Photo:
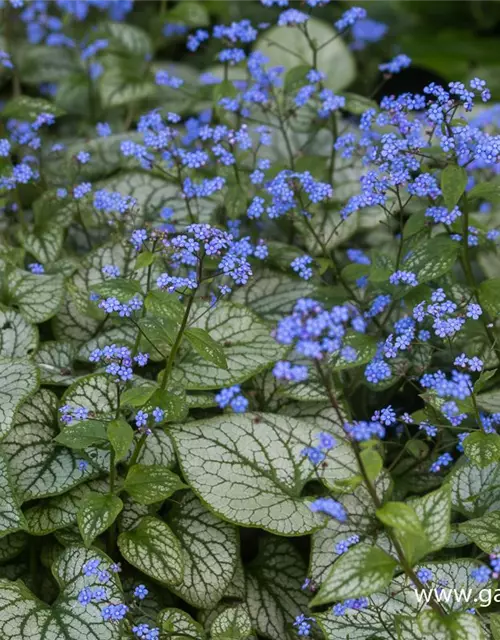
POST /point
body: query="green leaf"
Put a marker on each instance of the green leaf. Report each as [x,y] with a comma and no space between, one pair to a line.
[495,625]
[474,489]
[484,376]
[273,589]
[21,610]
[246,341]
[486,191]
[232,624]
[127,38]
[105,158]
[153,549]
[18,381]
[137,396]
[173,402]
[194,14]
[403,519]
[335,60]
[177,620]
[484,531]
[366,347]
[165,305]
[372,463]
[38,297]
[119,288]
[272,295]
[18,338]
[40,63]
[432,258]
[210,551]
[363,570]
[206,347]
[400,516]
[11,516]
[415,223]
[96,514]
[397,604]
[159,332]
[148,484]
[295,78]
[453,183]
[97,393]
[482,448]
[59,512]
[434,513]
[144,259]
[44,244]
[28,109]
[121,435]
[82,434]
[357,104]
[489,296]
[120,86]
[12,545]
[39,468]
[158,449]
[223,462]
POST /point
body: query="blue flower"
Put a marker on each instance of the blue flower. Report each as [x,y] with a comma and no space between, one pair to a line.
[140,592]
[396,65]
[329,506]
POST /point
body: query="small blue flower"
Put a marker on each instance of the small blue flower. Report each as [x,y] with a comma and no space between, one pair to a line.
[329,506]
[36,268]
[140,592]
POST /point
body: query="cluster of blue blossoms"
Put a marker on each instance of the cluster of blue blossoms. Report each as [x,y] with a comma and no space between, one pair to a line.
[114,612]
[316,333]
[205,241]
[233,398]
[484,573]
[119,361]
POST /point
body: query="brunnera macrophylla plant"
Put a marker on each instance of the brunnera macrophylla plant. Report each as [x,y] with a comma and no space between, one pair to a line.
[248,332]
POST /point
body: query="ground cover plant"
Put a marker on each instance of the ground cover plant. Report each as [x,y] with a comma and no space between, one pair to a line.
[249,379]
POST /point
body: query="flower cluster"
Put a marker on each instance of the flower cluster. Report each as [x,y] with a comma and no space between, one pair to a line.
[204,241]
[119,361]
[123,309]
[233,398]
[483,573]
[143,418]
[316,333]
[70,413]
[317,454]
[330,507]
[114,612]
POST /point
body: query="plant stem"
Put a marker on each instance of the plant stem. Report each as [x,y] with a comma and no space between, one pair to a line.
[177,343]
[138,448]
[112,457]
[166,374]
[8,20]
[148,286]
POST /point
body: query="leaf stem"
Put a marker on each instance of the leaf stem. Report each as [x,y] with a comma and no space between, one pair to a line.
[177,343]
